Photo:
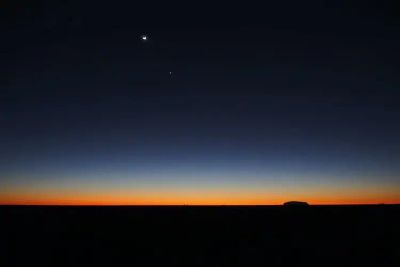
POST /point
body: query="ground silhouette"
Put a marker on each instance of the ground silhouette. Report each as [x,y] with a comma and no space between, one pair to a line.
[200,236]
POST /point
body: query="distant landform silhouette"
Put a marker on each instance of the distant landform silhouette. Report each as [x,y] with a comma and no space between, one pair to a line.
[296,203]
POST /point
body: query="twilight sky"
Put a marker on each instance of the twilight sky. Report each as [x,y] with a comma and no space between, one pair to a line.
[221,104]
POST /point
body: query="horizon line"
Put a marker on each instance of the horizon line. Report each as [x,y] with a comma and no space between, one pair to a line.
[193,205]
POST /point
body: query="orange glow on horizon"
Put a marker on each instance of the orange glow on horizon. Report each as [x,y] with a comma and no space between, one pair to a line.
[212,199]
[191,195]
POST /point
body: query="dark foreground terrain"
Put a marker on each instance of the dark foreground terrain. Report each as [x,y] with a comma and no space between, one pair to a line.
[200,236]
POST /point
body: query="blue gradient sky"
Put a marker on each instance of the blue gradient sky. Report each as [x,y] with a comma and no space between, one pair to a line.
[270,107]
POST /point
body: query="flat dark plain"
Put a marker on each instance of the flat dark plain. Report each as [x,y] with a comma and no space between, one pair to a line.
[342,235]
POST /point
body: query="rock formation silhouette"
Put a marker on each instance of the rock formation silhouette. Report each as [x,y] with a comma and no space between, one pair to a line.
[296,203]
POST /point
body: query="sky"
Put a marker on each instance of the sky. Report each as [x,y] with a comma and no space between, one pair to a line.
[222,104]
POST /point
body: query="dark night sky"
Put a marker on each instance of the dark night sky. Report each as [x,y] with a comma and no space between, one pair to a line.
[264,103]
